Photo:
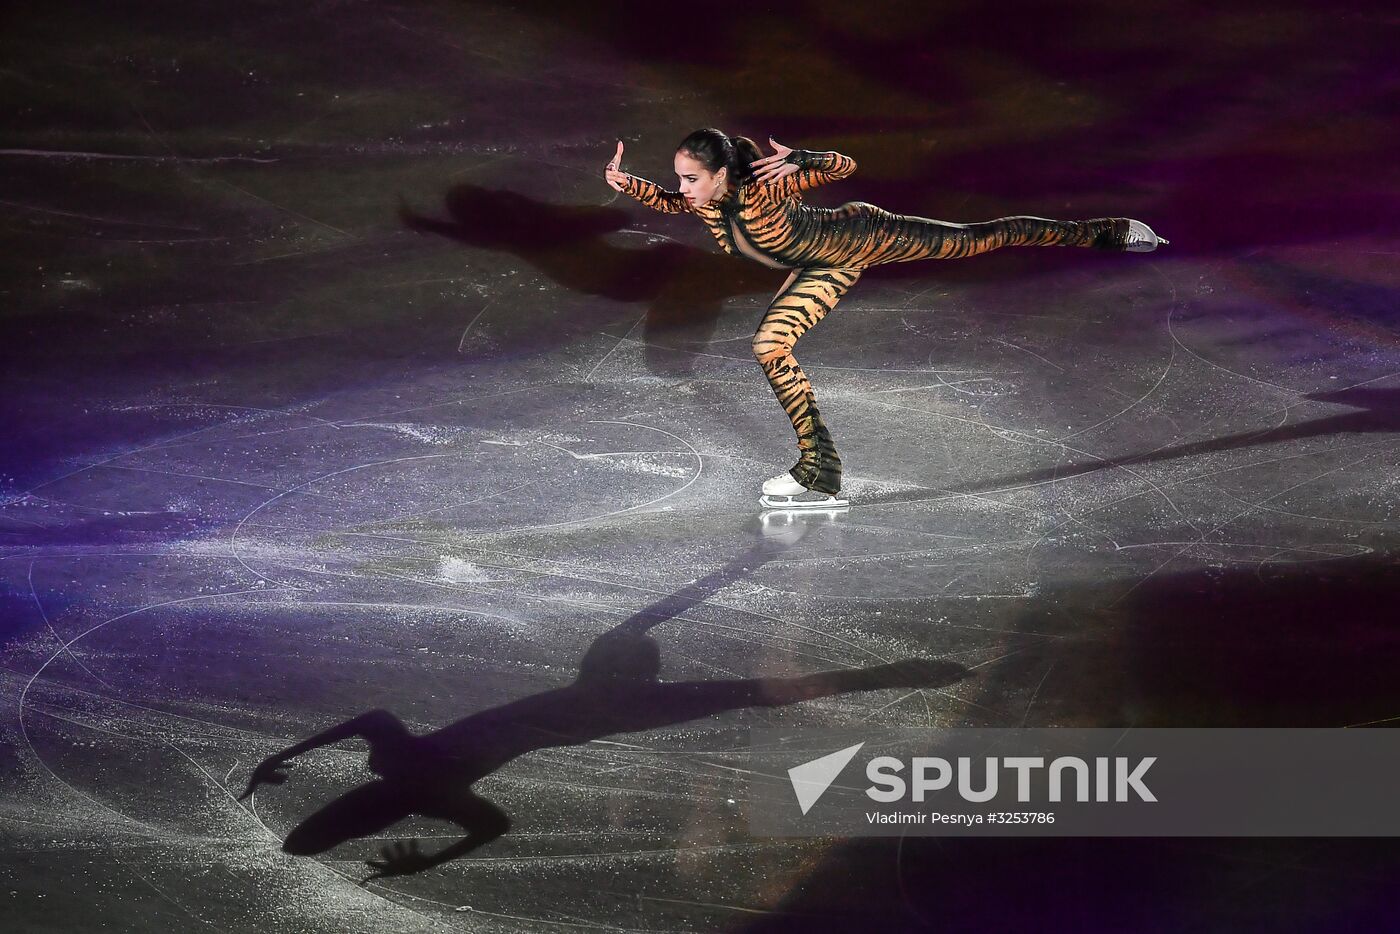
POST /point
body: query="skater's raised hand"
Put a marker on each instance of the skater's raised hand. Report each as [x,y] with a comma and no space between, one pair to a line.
[613,173]
[771,168]
[399,859]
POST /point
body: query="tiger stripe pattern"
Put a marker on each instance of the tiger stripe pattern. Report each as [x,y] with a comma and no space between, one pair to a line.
[827,249]
[806,298]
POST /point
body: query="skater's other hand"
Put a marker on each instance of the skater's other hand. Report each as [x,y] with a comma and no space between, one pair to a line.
[771,168]
[271,771]
[613,173]
[400,859]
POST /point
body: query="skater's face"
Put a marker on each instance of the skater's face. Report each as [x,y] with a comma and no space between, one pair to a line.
[699,184]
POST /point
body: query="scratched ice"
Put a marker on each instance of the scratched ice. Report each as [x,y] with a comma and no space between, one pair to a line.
[357,390]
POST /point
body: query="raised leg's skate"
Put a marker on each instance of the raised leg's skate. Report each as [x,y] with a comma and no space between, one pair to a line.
[1142,239]
[783,492]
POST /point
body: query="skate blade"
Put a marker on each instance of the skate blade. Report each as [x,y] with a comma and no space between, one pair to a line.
[831,502]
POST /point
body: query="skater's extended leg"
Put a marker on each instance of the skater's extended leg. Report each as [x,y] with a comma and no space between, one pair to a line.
[808,296]
[937,240]
[873,236]
[668,703]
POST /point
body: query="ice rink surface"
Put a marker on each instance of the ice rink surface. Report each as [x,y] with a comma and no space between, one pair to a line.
[336,380]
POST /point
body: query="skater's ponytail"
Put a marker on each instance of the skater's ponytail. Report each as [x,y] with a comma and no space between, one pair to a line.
[715,151]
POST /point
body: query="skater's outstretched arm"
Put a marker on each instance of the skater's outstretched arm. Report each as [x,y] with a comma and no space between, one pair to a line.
[654,196]
[797,170]
[648,193]
[375,727]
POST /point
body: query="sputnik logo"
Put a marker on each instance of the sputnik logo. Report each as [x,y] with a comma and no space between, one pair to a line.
[810,780]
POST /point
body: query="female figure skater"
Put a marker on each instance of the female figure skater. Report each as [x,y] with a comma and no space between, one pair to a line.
[752,204]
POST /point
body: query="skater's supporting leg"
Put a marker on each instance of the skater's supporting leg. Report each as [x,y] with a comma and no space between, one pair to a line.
[808,296]
[784,492]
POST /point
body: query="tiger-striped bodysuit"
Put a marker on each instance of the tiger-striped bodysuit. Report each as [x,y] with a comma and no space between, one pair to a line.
[827,249]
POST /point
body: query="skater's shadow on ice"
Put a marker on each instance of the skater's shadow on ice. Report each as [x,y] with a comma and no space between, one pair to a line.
[683,287]
[617,690]
[1379,412]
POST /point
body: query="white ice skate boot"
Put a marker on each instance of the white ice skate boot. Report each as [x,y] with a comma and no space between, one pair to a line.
[1141,238]
[783,492]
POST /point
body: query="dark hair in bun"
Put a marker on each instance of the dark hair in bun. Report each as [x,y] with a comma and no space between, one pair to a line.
[715,151]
